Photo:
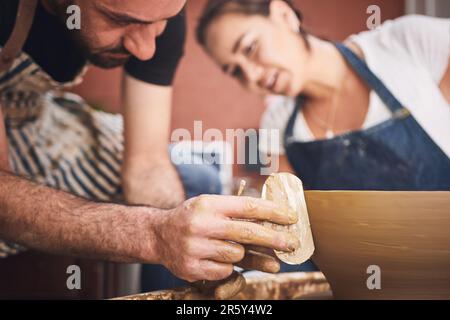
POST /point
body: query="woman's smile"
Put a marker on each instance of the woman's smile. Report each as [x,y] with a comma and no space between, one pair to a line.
[271,81]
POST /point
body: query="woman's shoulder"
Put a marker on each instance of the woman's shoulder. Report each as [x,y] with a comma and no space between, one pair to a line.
[408,30]
[417,22]
[412,23]
[420,39]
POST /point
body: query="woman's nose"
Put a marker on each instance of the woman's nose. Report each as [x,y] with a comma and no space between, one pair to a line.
[140,40]
[252,73]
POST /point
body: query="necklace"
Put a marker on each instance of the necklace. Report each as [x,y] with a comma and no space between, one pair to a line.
[328,125]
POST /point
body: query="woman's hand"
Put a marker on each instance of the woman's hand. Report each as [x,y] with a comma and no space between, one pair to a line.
[204,237]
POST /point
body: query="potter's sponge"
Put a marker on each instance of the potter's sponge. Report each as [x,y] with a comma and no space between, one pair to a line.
[286,190]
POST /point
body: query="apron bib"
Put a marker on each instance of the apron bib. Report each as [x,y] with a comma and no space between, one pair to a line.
[394,155]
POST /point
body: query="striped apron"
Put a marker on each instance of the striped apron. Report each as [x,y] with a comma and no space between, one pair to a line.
[56,139]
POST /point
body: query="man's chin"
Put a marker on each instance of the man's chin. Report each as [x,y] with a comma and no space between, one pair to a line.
[108,63]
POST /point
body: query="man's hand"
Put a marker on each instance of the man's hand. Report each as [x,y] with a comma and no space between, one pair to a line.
[260,259]
[157,186]
[203,238]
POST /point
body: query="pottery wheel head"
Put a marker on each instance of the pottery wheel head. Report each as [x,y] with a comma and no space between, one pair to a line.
[286,189]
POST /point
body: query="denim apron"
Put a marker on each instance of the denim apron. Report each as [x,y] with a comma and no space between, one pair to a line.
[394,155]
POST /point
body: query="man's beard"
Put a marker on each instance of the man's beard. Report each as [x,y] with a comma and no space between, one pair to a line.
[102,57]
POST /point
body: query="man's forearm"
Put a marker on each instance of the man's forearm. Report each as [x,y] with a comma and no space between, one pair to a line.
[149,177]
[54,221]
[154,182]
[4,165]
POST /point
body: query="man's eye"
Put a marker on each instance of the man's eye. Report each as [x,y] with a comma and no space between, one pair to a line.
[121,23]
[117,22]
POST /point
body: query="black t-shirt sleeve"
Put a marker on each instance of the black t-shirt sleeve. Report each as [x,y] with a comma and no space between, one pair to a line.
[8,12]
[160,70]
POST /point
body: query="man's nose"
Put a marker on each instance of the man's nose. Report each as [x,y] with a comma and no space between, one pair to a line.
[140,40]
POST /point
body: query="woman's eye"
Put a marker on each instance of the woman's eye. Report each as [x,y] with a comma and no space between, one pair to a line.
[237,73]
[249,50]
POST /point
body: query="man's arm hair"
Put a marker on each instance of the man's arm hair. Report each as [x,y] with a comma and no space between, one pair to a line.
[53,221]
[4,164]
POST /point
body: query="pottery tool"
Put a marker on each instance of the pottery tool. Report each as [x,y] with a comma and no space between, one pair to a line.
[286,189]
[241,188]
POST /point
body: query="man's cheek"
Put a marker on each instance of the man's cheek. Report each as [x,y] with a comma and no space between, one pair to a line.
[104,35]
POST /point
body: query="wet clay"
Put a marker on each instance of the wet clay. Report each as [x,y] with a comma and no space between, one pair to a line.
[224,289]
[406,234]
[286,190]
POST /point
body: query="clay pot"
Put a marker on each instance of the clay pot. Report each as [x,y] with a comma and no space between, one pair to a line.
[405,234]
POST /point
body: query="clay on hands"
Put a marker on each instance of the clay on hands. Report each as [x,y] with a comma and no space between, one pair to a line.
[286,190]
[224,289]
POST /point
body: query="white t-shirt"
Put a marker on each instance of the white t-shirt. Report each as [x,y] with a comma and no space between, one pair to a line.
[410,55]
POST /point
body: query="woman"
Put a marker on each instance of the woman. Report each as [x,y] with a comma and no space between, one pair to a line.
[373,114]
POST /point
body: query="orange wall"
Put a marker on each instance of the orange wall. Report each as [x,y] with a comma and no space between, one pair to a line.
[203,93]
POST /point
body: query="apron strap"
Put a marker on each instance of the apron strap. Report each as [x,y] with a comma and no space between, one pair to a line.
[371,79]
[361,68]
[19,35]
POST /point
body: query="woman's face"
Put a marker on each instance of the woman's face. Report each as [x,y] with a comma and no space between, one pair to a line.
[266,54]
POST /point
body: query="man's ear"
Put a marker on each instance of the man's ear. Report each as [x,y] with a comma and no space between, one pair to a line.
[282,13]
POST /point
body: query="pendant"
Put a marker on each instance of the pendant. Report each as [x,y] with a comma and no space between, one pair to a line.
[329,134]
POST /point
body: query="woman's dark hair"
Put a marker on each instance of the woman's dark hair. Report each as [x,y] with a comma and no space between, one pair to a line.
[216,8]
